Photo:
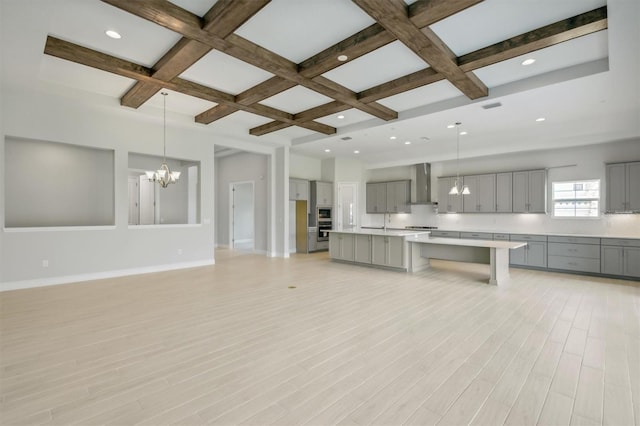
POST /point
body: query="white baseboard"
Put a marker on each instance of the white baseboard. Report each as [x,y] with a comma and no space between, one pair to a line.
[66,279]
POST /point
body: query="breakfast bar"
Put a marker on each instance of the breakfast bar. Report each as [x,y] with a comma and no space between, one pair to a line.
[422,248]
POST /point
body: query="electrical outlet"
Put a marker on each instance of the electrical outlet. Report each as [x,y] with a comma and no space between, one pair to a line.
[45,263]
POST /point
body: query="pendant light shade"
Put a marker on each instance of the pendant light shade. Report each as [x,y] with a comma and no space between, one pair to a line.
[164,176]
[456,189]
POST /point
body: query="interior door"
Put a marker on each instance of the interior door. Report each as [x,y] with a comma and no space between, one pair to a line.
[347,200]
[147,201]
[134,200]
[242,216]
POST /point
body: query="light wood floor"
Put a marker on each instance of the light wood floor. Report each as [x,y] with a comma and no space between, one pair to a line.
[234,344]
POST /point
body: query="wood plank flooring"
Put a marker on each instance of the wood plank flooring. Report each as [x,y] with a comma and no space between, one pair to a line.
[233,344]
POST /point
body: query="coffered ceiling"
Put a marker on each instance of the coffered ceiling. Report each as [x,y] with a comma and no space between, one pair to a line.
[332,77]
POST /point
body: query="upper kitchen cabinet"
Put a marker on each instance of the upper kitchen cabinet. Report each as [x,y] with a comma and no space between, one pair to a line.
[389,197]
[482,198]
[298,189]
[448,203]
[321,193]
[504,192]
[623,187]
[529,191]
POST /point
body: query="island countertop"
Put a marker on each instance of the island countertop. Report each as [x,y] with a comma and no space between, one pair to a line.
[387,233]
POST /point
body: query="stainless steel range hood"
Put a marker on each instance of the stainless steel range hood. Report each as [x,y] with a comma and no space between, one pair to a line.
[422,184]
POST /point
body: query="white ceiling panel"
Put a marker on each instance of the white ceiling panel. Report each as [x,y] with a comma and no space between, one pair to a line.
[296,99]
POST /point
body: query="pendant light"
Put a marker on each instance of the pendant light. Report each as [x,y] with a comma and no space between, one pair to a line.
[455,189]
[164,176]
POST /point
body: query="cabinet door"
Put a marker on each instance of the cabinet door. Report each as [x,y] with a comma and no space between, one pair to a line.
[611,260]
[348,247]
[455,201]
[631,261]
[444,185]
[537,191]
[363,248]
[537,254]
[504,192]
[395,252]
[324,193]
[378,250]
[381,197]
[518,256]
[398,197]
[616,187]
[633,186]
[487,193]
[334,245]
[520,191]
[371,198]
[470,202]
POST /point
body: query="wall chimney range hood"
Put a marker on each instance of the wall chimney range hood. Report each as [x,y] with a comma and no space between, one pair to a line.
[422,184]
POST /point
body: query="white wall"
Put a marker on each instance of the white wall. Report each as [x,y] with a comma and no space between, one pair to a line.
[86,253]
[240,168]
[302,167]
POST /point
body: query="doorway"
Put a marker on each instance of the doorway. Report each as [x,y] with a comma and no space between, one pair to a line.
[242,226]
[347,200]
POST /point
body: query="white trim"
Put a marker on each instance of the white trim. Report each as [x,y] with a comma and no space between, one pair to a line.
[165,226]
[60,228]
[232,186]
[67,279]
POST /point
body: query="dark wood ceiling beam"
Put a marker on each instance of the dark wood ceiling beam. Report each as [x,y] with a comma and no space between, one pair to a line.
[85,56]
[549,35]
[317,112]
[393,15]
[183,22]
[222,19]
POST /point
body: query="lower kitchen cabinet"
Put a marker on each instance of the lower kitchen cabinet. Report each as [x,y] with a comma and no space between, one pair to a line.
[580,254]
[533,254]
[342,246]
[387,251]
[620,257]
[362,248]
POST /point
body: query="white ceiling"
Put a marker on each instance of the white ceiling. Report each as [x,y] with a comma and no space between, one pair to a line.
[588,89]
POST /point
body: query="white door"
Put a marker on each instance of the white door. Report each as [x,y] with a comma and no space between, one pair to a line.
[242,216]
[147,201]
[134,199]
[192,195]
[347,200]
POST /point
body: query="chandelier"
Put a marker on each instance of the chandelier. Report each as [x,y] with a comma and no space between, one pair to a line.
[164,176]
[455,189]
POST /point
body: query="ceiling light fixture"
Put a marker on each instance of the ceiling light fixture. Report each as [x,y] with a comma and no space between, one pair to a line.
[343,58]
[340,117]
[528,61]
[113,34]
[463,133]
[392,138]
[407,143]
[455,189]
[164,176]
[327,150]
[451,126]
[356,152]
[540,119]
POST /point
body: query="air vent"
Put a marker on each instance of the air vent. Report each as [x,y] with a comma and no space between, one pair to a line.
[493,105]
[346,138]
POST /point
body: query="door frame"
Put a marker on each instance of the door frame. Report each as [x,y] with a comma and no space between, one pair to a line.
[338,203]
[231,210]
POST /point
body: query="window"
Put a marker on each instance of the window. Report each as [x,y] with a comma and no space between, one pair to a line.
[576,198]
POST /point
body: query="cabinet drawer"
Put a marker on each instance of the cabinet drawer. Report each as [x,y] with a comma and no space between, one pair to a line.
[501,237]
[575,240]
[578,264]
[620,242]
[574,250]
[447,234]
[476,235]
[527,237]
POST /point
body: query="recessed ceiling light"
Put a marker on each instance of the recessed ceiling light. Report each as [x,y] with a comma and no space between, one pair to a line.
[327,150]
[451,126]
[113,34]
[528,61]
[343,58]
[356,152]
[407,143]
[340,117]
[540,119]
[463,133]
[392,138]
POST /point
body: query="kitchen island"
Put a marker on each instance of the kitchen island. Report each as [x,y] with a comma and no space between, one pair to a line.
[373,247]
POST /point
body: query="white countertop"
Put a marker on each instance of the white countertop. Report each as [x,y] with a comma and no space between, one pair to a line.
[465,242]
[388,232]
[548,234]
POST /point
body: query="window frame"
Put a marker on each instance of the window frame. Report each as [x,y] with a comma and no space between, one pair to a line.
[598,199]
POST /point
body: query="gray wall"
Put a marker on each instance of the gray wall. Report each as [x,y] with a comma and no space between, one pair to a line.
[238,168]
[56,184]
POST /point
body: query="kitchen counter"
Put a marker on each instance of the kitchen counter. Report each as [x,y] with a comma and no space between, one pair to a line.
[548,234]
[388,232]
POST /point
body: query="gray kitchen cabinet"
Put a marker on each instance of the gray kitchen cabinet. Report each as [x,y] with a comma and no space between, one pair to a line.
[533,254]
[448,203]
[298,189]
[620,257]
[504,192]
[321,193]
[482,198]
[389,197]
[312,240]
[530,191]
[580,254]
[501,237]
[387,251]
[476,235]
[362,248]
[341,246]
[444,234]
[623,187]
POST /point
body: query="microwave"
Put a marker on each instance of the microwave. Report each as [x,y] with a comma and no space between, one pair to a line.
[324,213]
